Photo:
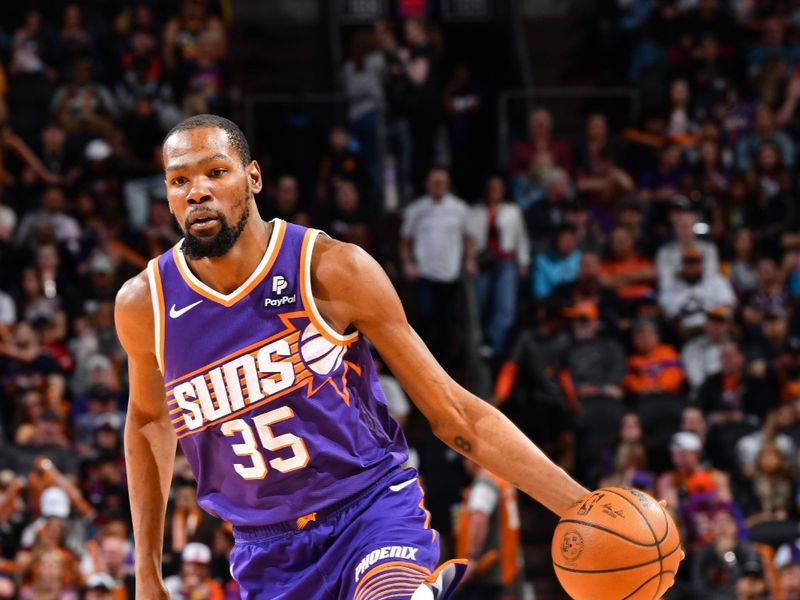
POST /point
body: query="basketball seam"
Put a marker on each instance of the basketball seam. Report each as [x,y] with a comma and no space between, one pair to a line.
[611,531]
[644,564]
[644,583]
[655,538]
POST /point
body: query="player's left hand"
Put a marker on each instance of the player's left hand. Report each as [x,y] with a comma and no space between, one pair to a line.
[663,504]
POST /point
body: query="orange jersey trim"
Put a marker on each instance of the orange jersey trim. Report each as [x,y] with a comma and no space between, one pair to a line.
[307,296]
[159,316]
[228,300]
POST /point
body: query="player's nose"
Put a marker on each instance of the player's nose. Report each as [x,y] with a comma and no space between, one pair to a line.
[198,194]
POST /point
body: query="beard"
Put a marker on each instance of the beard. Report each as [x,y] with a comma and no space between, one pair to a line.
[220,243]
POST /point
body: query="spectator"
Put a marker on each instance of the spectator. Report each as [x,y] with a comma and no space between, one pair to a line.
[488,535]
[194,580]
[769,294]
[557,266]
[661,184]
[99,586]
[544,217]
[733,399]
[182,33]
[765,131]
[398,93]
[540,139]
[363,75]
[727,566]
[625,271]
[286,203]
[503,255]
[690,488]
[422,65]
[768,499]
[742,266]
[345,219]
[630,469]
[702,355]
[435,246]
[654,369]
[591,380]
[84,106]
[686,301]
[669,258]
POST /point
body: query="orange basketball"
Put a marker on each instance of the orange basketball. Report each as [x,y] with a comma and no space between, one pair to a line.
[616,544]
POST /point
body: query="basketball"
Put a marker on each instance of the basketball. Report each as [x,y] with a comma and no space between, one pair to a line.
[616,544]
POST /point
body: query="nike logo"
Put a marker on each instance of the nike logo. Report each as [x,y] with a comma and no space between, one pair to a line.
[400,486]
[177,313]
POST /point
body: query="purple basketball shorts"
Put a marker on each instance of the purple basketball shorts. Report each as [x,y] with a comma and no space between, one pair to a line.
[377,545]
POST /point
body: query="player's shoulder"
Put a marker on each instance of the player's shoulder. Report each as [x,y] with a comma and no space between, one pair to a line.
[134,295]
[333,259]
[133,312]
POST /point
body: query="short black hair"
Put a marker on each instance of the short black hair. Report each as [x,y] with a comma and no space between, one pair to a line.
[231,129]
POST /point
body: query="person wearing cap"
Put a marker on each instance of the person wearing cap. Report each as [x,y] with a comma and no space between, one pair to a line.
[593,370]
[702,355]
[687,299]
[690,481]
[670,256]
[99,586]
[194,580]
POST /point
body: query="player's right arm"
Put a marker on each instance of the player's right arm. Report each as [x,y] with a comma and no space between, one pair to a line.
[150,441]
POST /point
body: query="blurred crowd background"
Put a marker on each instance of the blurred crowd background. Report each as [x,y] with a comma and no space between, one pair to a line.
[590,216]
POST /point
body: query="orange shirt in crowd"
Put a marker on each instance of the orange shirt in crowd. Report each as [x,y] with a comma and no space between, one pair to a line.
[612,268]
[658,371]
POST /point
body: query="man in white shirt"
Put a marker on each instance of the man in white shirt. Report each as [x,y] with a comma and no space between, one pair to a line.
[435,246]
[668,258]
[687,299]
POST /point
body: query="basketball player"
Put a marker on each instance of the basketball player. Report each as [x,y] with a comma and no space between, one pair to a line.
[247,344]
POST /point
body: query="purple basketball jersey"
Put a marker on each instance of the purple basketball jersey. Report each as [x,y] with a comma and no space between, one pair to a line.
[278,414]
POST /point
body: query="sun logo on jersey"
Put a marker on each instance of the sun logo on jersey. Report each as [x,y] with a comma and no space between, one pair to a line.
[291,360]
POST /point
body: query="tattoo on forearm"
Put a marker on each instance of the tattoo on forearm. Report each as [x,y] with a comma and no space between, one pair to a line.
[463,444]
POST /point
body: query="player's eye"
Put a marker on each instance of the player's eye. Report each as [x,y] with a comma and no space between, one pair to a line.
[179,181]
[218,172]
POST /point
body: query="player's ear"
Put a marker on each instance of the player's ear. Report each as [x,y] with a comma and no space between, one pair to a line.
[254,175]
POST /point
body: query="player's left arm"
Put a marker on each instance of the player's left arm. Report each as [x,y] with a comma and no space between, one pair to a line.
[352,290]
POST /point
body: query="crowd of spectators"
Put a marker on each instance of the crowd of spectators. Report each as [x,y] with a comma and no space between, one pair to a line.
[632,291]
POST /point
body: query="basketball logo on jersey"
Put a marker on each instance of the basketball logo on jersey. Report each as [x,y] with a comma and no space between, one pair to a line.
[276,366]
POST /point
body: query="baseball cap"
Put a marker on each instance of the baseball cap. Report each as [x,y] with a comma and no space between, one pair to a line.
[108,421]
[583,309]
[752,566]
[54,502]
[685,441]
[101,581]
[196,552]
[720,312]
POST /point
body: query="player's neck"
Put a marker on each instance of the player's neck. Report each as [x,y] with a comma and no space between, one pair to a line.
[226,273]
